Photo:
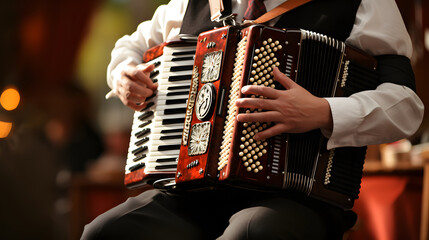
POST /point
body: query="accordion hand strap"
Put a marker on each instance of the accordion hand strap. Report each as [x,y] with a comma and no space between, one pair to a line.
[280,9]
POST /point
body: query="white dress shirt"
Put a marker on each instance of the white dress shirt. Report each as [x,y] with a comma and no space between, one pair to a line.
[387,114]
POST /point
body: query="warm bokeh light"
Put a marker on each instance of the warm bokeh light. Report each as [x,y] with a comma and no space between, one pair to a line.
[9,99]
[5,128]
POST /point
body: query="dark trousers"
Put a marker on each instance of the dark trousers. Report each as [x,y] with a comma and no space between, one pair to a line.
[220,214]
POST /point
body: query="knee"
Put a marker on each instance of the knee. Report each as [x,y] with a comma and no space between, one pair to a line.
[92,229]
[273,222]
[89,232]
[254,223]
[266,223]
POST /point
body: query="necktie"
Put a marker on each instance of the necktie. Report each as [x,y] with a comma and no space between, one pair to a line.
[255,9]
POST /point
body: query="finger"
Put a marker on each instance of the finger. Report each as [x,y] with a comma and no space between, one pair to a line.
[269,132]
[154,86]
[146,68]
[270,116]
[137,106]
[260,91]
[127,85]
[255,103]
[139,76]
[283,79]
[130,96]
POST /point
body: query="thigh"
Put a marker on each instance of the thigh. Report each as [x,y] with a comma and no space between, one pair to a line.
[278,218]
[153,214]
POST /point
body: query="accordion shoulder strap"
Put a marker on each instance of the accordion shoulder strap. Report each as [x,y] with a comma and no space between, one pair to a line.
[281,9]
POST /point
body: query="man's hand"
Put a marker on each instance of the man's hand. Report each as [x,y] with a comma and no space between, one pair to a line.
[293,110]
[135,86]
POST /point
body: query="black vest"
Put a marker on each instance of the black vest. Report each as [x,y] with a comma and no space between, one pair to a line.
[334,18]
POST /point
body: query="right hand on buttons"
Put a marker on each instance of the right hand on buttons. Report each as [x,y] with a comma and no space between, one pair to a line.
[134,85]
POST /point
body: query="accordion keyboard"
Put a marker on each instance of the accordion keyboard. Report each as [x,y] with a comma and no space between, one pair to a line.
[157,130]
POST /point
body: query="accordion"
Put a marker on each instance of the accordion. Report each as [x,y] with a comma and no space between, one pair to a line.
[157,130]
[215,148]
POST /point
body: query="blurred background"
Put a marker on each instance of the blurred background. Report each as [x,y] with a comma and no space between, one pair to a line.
[63,146]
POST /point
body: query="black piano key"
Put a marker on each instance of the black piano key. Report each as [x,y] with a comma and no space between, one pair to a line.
[178,93]
[157,63]
[155,80]
[154,74]
[178,130]
[178,59]
[136,166]
[176,101]
[172,88]
[171,137]
[169,147]
[173,121]
[190,52]
[142,141]
[181,68]
[161,160]
[145,123]
[150,104]
[142,132]
[171,111]
[139,150]
[179,78]
[139,157]
[161,167]
[145,115]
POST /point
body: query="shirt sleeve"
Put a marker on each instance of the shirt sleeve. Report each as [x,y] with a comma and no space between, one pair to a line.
[164,25]
[391,111]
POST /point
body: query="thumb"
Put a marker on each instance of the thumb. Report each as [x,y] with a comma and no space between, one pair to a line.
[145,68]
[283,79]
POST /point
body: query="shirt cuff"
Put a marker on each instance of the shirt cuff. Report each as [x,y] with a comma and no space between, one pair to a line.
[344,111]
